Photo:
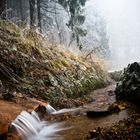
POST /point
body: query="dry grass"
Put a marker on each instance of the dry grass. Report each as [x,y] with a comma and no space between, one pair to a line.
[29,56]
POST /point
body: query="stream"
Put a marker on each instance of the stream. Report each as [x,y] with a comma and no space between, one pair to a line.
[81,124]
[74,118]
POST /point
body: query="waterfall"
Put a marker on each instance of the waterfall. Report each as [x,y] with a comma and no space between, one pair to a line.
[30,127]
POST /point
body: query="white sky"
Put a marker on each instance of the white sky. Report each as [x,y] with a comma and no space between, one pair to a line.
[123,26]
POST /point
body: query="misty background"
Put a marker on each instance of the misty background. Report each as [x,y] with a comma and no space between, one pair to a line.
[111,26]
[123,23]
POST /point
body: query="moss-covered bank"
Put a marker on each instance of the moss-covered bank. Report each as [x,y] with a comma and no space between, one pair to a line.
[29,65]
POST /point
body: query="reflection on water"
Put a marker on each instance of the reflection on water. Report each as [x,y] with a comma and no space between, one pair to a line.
[82,124]
[102,100]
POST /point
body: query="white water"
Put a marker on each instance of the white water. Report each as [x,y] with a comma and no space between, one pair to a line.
[65,110]
[30,127]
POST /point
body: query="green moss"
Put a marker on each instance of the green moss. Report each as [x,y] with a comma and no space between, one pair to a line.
[28,88]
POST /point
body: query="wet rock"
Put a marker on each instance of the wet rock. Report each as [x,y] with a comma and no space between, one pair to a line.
[41,110]
[98,113]
[113,108]
[3,136]
[94,133]
[129,87]
[9,96]
[12,134]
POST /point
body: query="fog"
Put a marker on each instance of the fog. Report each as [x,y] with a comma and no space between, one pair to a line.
[123,27]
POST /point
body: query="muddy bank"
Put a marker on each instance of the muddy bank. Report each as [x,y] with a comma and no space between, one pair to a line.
[82,124]
[127,90]
[128,129]
[102,99]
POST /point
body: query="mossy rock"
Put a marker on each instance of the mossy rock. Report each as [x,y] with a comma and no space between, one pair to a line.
[129,87]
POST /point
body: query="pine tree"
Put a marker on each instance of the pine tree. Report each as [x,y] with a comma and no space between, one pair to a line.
[75,10]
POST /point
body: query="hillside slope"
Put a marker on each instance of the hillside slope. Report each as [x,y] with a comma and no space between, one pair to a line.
[29,65]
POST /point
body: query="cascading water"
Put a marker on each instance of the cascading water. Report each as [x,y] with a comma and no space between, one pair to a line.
[30,127]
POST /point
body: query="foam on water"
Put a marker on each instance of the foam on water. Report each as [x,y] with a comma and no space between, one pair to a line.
[30,127]
[50,109]
[65,110]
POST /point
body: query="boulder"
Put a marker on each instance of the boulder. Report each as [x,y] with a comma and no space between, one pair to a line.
[128,88]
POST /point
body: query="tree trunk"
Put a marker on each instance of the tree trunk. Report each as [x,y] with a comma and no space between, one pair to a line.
[58,27]
[78,40]
[39,14]
[33,13]
[22,16]
[3,8]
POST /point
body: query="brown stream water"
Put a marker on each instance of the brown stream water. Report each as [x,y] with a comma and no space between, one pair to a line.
[82,124]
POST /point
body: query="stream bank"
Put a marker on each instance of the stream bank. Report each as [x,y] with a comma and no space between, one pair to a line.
[127,90]
[83,127]
[77,119]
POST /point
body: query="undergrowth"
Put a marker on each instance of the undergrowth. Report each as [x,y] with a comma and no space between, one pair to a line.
[28,64]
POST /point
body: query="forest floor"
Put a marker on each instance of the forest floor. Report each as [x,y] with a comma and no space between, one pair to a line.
[122,125]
